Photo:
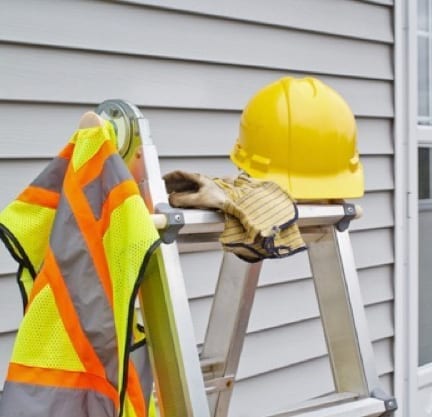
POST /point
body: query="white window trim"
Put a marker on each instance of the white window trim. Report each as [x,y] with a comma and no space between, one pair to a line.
[409,135]
[424,134]
[406,215]
[425,205]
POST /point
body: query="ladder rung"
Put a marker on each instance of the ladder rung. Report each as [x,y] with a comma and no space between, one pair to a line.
[327,400]
[209,221]
[337,405]
[219,384]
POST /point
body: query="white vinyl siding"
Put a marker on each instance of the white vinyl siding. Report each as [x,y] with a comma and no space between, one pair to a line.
[191,67]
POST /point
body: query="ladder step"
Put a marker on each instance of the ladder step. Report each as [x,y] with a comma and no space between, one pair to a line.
[208,221]
[337,405]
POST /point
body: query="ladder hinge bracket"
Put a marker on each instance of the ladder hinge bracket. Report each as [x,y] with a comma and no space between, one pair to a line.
[349,214]
[174,220]
[390,402]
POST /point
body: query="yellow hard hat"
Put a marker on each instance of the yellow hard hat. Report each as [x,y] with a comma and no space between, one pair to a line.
[301,134]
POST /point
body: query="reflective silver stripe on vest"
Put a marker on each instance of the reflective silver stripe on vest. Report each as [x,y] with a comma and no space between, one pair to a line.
[113,173]
[51,178]
[85,288]
[20,400]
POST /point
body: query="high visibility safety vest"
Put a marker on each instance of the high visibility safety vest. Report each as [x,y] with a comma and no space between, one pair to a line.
[82,237]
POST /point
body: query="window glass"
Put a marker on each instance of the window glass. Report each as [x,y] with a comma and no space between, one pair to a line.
[424,37]
[423,62]
[423,80]
[425,258]
[424,173]
[422,14]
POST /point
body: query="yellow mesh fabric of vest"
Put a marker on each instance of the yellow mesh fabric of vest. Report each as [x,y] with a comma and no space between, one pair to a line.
[127,240]
[31,225]
[27,281]
[42,322]
[88,142]
[128,408]
[150,412]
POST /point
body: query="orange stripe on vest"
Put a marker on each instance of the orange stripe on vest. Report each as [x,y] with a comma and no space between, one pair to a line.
[62,379]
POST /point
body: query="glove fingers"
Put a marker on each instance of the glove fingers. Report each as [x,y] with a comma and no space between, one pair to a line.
[193,190]
[202,200]
[179,181]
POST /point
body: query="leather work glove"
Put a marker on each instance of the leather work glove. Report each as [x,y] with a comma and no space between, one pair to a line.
[260,217]
[193,191]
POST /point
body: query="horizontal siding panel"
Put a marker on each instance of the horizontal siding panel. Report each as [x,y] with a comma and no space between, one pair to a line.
[281,347]
[376,284]
[11,305]
[175,132]
[367,254]
[378,173]
[278,271]
[199,282]
[262,351]
[214,167]
[253,362]
[200,38]
[346,18]
[385,2]
[375,136]
[277,391]
[6,344]
[387,383]
[378,170]
[283,304]
[29,130]
[380,320]
[360,238]
[7,264]
[378,211]
[383,351]
[280,389]
[29,169]
[55,76]
[274,271]
[269,393]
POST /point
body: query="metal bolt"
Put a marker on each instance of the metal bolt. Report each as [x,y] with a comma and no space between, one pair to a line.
[177,218]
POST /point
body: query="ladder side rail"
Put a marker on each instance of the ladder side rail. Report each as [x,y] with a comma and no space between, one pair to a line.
[358,310]
[342,312]
[165,307]
[226,329]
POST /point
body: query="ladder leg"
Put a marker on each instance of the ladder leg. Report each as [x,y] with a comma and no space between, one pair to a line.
[169,331]
[226,330]
[342,312]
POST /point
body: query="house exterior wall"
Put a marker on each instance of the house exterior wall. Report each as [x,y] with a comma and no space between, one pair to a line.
[191,67]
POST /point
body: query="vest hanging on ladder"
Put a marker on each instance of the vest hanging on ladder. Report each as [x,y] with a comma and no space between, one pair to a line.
[82,237]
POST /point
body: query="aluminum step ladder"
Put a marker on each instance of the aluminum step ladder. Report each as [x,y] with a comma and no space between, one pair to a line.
[192,383]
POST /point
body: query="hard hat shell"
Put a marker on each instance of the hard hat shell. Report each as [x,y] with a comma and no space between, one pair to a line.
[301,134]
